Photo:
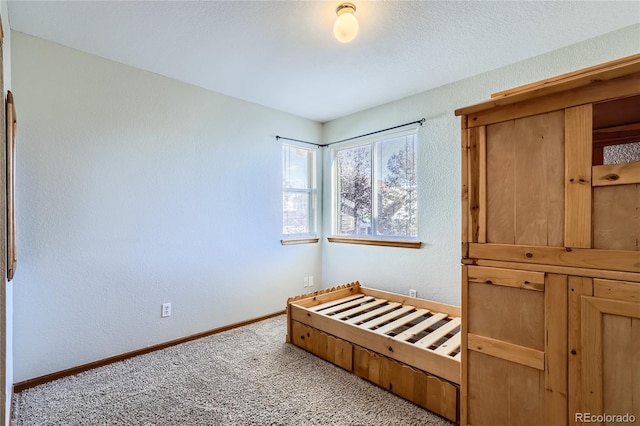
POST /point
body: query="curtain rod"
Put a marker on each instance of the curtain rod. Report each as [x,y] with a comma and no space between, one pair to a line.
[421,122]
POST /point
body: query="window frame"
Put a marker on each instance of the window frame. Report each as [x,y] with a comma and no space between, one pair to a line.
[311,190]
[374,239]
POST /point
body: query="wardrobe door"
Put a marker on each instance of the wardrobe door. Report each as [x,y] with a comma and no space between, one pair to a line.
[610,332]
[503,364]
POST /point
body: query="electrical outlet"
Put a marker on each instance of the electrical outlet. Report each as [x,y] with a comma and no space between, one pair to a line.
[166,310]
[311,281]
[413,293]
[305,282]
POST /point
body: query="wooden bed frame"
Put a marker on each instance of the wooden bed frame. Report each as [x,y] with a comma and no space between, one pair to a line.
[406,345]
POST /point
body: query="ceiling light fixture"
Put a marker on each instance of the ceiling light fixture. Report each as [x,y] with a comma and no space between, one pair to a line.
[346,26]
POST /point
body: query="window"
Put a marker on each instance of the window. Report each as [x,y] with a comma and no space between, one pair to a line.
[298,192]
[375,192]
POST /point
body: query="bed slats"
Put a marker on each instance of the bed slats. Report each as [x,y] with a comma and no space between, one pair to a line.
[383,317]
[420,327]
[335,302]
[365,306]
[439,333]
[343,306]
[371,314]
[400,322]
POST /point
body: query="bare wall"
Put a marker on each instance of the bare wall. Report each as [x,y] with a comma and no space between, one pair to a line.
[133,190]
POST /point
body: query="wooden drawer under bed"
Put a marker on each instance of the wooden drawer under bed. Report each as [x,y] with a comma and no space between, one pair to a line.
[406,345]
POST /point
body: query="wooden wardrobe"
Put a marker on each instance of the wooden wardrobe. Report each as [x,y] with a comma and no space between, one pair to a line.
[551,251]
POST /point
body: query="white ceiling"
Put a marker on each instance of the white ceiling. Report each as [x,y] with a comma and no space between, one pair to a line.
[282,54]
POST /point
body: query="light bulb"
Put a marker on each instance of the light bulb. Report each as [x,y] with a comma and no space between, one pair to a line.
[345,28]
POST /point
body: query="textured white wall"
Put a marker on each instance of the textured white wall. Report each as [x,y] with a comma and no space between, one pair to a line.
[134,190]
[625,153]
[434,270]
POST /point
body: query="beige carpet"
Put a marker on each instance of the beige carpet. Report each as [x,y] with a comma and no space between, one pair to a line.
[246,376]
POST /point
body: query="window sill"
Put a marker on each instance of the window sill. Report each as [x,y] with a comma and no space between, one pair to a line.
[295,241]
[376,242]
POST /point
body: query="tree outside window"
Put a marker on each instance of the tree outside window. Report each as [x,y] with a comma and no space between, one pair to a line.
[376,189]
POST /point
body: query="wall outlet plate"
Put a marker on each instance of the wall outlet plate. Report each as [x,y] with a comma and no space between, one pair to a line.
[166,310]
[413,293]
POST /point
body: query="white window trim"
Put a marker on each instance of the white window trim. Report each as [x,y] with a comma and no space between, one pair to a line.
[314,211]
[366,140]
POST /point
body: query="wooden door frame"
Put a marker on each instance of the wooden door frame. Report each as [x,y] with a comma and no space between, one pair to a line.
[3,243]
